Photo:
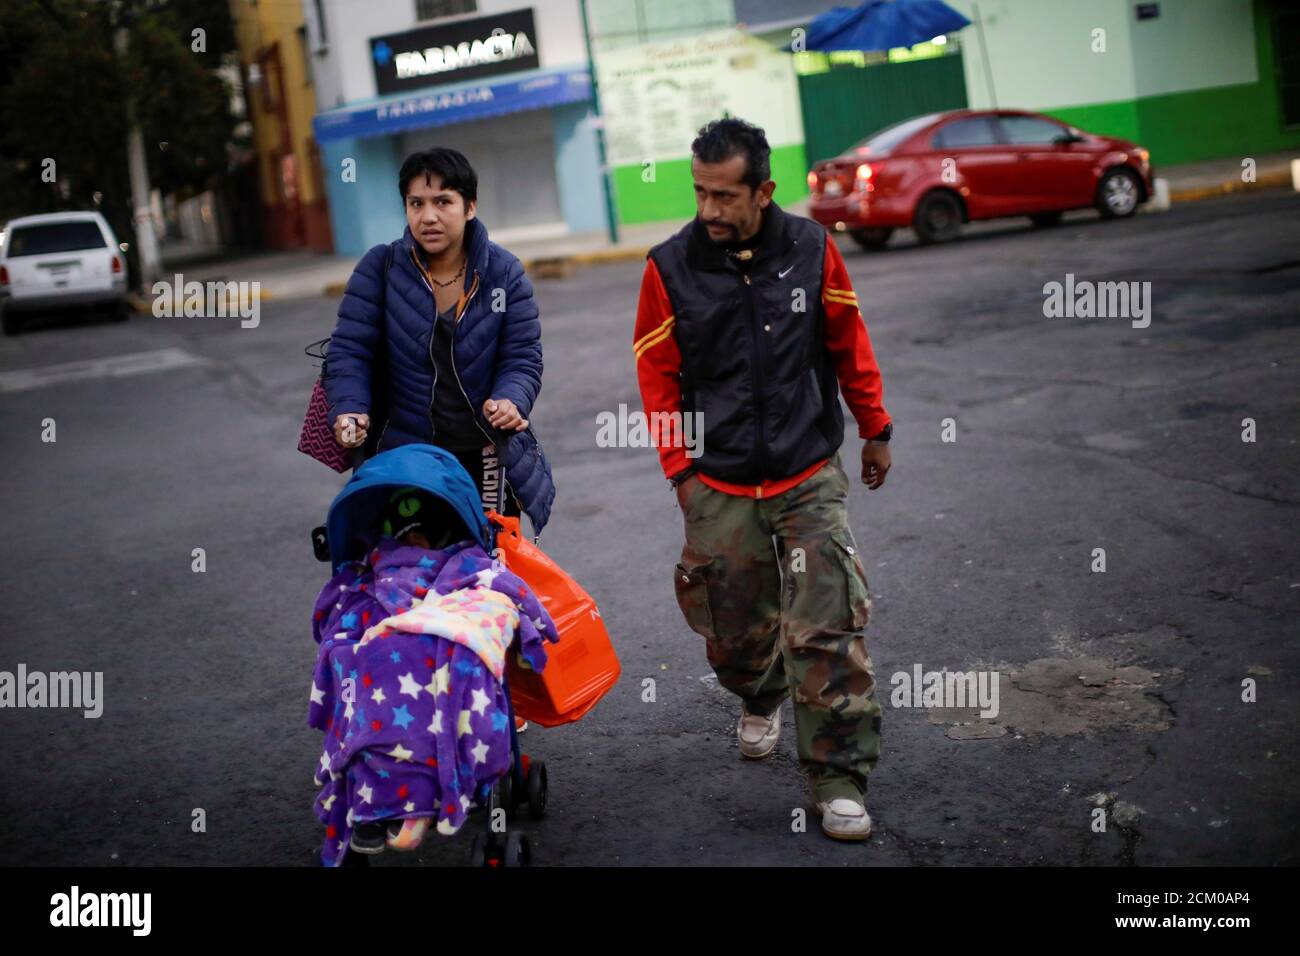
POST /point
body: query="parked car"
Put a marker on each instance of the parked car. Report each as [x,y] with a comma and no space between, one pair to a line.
[58,261]
[937,171]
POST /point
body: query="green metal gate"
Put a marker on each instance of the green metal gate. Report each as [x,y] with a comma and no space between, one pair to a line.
[847,103]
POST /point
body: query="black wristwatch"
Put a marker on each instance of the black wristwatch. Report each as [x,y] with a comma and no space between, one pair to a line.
[886,434]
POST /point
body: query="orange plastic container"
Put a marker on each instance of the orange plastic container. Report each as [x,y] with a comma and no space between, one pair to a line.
[582,667]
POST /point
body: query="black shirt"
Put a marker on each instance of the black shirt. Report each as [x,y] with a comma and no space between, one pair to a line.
[454,422]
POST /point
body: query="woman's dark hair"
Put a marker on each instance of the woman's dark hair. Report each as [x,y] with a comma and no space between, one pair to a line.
[718,141]
[447,164]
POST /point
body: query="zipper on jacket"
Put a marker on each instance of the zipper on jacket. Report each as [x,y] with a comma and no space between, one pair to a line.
[760,395]
[456,372]
[433,331]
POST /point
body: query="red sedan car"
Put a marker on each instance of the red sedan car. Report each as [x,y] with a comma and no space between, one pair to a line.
[935,172]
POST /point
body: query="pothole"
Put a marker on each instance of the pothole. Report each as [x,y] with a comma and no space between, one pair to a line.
[1057,697]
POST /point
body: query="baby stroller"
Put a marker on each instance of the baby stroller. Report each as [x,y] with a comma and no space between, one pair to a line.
[580,668]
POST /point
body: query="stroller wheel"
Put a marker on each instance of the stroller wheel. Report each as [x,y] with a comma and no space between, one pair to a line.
[478,852]
[506,792]
[519,849]
[538,788]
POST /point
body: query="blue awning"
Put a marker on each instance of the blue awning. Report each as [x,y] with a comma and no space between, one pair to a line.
[440,107]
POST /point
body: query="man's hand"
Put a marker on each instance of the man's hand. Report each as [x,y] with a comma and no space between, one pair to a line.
[875,464]
[350,429]
[502,414]
[685,488]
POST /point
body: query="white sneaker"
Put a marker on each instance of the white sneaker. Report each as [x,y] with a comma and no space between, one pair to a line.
[758,735]
[844,819]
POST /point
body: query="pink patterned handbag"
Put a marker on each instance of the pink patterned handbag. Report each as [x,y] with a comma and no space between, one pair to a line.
[317,437]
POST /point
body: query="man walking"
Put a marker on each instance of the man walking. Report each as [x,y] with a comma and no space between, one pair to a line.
[747,319]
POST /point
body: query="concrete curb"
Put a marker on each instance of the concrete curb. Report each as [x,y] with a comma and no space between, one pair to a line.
[1276,180]
[625,254]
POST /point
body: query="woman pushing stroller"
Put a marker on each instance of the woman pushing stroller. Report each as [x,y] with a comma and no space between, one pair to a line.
[438,342]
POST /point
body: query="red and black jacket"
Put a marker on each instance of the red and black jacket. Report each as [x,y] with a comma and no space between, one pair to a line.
[762,355]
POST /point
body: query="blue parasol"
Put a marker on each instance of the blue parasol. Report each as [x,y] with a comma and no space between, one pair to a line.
[882,25]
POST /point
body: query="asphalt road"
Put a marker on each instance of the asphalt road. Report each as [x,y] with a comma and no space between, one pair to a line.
[1071,434]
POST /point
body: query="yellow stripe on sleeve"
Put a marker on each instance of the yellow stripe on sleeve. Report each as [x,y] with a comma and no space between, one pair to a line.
[647,343]
[665,324]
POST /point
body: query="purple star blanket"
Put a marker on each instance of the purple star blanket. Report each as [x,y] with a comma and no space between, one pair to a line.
[415,724]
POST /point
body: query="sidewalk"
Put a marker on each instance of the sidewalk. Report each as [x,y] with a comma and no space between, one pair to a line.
[1218,177]
[301,274]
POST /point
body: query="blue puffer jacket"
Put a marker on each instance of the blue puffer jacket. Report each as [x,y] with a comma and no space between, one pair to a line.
[496,351]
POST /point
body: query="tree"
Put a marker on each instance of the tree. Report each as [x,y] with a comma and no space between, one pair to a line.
[64,97]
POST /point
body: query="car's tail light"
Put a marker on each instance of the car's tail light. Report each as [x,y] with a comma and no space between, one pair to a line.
[812,181]
[117,265]
[4,276]
[862,178]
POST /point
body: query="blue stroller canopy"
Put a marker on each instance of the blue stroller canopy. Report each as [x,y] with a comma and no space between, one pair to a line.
[352,527]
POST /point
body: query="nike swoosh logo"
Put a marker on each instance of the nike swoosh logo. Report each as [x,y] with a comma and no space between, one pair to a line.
[781,275]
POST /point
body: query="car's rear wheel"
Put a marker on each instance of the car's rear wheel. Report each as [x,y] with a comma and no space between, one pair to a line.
[12,324]
[1118,194]
[870,239]
[1045,219]
[937,218]
[119,311]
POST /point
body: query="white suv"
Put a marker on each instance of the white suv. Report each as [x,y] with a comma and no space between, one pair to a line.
[60,260]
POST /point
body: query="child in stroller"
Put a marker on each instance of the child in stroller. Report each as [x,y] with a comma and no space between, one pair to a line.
[409,682]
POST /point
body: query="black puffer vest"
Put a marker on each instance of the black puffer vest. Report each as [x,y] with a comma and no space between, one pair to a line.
[754,359]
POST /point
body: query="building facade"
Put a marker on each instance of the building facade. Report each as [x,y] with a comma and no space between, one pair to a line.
[508,85]
[1190,80]
[278,86]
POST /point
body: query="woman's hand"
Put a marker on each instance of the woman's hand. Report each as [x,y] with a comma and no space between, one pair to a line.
[350,429]
[502,414]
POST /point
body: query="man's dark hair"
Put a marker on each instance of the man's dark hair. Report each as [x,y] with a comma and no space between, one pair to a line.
[447,164]
[718,141]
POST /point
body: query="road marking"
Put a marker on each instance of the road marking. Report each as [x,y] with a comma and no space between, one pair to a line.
[115,366]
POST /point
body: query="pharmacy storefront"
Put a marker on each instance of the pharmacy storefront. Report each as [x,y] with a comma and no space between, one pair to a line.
[486,86]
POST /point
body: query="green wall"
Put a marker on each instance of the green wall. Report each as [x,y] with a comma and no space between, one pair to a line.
[672,194]
[844,105]
[1215,123]
[1108,119]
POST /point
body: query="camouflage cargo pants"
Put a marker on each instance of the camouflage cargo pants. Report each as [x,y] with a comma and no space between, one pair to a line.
[777,590]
